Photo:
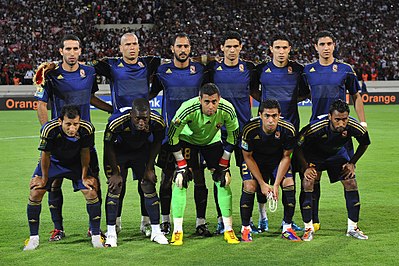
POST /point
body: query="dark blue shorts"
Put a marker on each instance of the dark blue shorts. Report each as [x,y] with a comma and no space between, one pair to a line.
[332,164]
[74,173]
[268,172]
[136,160]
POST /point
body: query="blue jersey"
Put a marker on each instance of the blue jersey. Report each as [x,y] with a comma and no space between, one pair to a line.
[127,139]
[236,84]
[66,88]
[328,84]
[267,148]
[284,84]
[319,141]
[178,85]
[65,150]
[127,81]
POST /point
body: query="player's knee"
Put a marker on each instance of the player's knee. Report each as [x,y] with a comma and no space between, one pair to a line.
[350,184]
[37,194]
[55,188]
[288,182]
[250,186]
[147,187]
[57,183]
[307,185]
[89,194]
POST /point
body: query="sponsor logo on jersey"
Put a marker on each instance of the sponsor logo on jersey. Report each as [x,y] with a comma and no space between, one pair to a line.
[82,73]
[219,68]
[120,64]
[60,76]
[324,136]
[140,64]
[312,70]
[257,137]
[241,67]
[168,71]
[192,70]
[268,70]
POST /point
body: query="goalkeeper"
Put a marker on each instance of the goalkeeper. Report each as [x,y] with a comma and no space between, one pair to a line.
[195,130]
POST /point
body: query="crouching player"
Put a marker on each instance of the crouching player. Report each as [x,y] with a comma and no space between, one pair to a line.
[195,130]
[322,147]
[65,144]
[267,143]
[133,140]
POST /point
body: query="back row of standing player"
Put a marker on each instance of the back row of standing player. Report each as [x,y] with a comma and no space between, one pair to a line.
[180,79]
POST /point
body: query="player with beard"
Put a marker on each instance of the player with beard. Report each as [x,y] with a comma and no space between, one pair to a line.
[180,80]
[68,83]
[322,147]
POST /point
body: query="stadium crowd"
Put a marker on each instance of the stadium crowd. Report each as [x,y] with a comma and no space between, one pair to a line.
[367,31]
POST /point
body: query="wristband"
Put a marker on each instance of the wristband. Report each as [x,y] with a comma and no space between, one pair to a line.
[182,163]
[223,162]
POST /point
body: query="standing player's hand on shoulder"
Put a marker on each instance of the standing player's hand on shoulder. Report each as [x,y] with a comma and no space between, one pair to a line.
[348,170]
[37,182]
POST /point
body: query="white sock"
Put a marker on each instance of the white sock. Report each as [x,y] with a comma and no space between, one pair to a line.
[351,225]
[286,226]
[165,218]
[177,225]
[262,211]
[111,229]
[155,229]
[200,221]
[245,227]
[309,225]
[145,220]
[34,237]
[228,223]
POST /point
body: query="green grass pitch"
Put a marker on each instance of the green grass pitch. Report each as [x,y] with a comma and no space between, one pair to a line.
[376,175]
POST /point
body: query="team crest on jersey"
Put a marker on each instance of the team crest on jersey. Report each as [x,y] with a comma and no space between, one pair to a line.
[60,76]
[241,67]
[335,68]
[244,144]
[168,71]
[277,135]
[140,64]
[312,70]
[344,133]
[192,70]
[219,125]
[120,64]
[82,73]
[219,68]
[268,70]
[290,70]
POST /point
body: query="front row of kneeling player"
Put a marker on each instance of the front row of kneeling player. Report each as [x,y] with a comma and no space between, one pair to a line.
[133,140]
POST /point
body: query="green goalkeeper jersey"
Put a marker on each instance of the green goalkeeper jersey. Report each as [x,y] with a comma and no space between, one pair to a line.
[191,125]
